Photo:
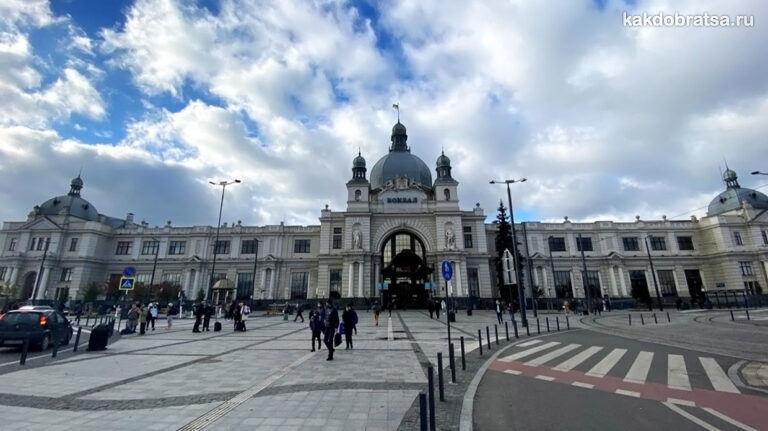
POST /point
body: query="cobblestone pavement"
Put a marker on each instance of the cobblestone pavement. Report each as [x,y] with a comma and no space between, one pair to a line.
[265,378]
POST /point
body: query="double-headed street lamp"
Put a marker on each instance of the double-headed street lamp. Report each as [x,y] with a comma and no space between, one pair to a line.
[223,185]
[521,293]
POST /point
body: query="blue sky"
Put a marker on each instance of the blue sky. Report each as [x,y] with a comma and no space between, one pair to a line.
[153,98]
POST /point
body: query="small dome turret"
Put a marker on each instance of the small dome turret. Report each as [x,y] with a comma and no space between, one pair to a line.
[358,168]
[443,167]
[359,161]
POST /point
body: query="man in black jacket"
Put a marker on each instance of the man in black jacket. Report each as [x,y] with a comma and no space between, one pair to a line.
[198,311]
[207,313]
[331,324]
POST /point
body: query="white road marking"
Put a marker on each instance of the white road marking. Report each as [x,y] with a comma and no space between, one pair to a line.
[690,417]
[728,419]
[583,385]
[547,378]
[390,334]
[628,393]
[680,402]
[514,372]
[576,360]
[529,352]
[677,374]
[603,367]
[717,376]
[529,343]
[638,373]
[552,355]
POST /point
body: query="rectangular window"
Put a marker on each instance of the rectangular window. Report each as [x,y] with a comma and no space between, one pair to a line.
[630,243]
[43,243]
[33,244]
[174,278]
[73,244]
[593,282]
[12,245]
[301,246]
[765,237]
[737,238]
[66,274]
[474,282]
[124,247]
[586,243]
[248,246]
[685,242]
[222,246]
[3,271]
[658,243]
[563,288]
[467,236]
[150,247]
[143,278]
[335,284]
[177,247]
[746,268]
[752,287]
[245,285]
[667,282]
[556,243]
[299,285]
[337,238]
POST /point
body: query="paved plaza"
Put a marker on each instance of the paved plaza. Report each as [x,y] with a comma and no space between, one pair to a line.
[267,378]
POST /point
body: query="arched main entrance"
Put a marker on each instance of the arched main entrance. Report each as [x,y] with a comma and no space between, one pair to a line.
[404,267]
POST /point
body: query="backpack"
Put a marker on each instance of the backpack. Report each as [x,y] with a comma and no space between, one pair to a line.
[354,317]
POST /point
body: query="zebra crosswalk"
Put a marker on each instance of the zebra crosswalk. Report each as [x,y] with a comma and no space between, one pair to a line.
[601,361]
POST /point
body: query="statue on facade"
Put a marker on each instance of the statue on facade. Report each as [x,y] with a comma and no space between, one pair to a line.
[450,239]
[357,240]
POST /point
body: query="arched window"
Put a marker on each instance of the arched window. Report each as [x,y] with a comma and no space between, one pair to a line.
[358,194]
[447,194]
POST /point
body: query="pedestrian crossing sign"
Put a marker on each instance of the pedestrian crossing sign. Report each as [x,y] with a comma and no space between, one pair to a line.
[127,283]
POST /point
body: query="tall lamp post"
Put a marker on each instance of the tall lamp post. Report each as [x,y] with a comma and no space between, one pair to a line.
[154,267]
[584,281]
[255,260]
[223,185]
[520,290]
[552,266]
[653,273]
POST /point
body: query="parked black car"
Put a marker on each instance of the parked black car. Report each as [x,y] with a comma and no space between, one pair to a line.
[42,324]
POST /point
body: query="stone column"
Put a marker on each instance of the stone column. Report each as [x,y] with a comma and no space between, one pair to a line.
[360,279]
[263,285]
[350,292]
[14,275]
[272,284]
[187,278]
[43,283]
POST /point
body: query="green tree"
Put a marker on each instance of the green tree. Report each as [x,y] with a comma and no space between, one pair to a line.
[92,291]
[503,241]
[200,295]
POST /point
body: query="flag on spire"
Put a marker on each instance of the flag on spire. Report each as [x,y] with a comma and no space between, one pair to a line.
[397,108]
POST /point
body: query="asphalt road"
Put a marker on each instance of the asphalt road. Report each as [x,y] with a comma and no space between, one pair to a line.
[588,380]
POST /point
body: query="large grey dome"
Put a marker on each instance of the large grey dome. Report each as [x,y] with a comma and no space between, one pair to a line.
[70,204]
[400,162]
[733,197]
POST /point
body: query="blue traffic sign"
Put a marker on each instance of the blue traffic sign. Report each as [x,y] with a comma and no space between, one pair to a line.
[129,271]
[447,270]
[127,283]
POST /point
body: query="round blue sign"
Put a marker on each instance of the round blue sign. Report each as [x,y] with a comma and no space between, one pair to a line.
[129,271]
[447,270]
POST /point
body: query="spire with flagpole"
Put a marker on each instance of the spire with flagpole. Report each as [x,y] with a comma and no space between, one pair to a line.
[397,108]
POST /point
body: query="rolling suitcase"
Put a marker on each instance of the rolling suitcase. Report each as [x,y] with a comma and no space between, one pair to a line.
[217,327]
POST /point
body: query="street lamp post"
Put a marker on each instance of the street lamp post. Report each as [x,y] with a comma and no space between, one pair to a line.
[552,265]
[520,290]
[653,273]
[223,185]
[528,265]
[154,267]
[255,260]
[584,281]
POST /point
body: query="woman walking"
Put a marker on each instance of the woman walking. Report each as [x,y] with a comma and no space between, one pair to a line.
[348,317]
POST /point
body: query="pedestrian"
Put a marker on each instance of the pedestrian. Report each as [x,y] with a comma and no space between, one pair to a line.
[376,312]
[133,318]
[169,315]
[143,313]
[331,323]
[437,310]
[78,312]
[207,313]
[354,320]
[390,306]
[348,318]
[678,303]
[152,315]
[316,326]
[237,316]
[197,310]
[566,307]
[431,308]
[443,307]
[299,312]
[499,312]
[245,311]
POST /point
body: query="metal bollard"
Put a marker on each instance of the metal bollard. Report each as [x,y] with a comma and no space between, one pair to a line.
[630,319]
[496,331]
[488,337]
[528,329]
[77,338]
[431,384]
[24,350]
[463,361]
[87,319]
[514,326]
[538,326]
[668,319]
[732,319]
[642,321]
[547,319]
[480,341]
[452,362]
[423,410]
[557,321]
[747,310]
[655,319]
[440,384]
[567,322]
[506,330]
